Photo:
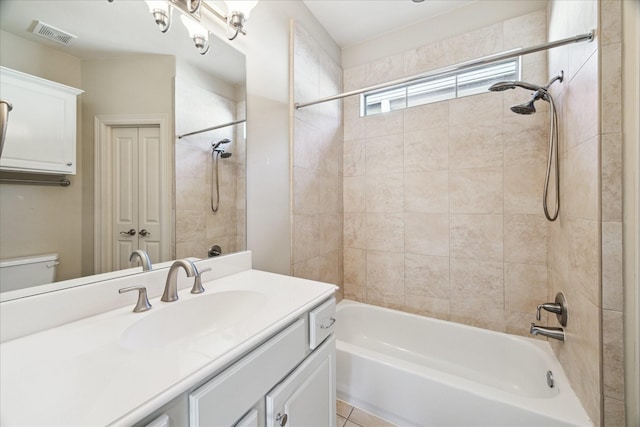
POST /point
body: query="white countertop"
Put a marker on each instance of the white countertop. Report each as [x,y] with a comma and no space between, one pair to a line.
[79,374]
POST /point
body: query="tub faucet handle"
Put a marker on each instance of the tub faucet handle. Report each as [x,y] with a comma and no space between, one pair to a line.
[559,307]
[550,307]
[197,282]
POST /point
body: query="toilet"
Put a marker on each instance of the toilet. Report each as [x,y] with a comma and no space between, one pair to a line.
[23,272]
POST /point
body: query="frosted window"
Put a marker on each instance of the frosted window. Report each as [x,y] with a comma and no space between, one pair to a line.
[440,88]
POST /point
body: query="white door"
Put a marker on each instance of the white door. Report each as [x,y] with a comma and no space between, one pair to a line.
[307,397]
[136,196]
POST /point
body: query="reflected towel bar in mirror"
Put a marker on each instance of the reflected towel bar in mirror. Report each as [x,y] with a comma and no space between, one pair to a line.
[62,182]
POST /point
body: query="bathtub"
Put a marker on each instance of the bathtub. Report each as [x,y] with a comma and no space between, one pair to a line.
[419,371]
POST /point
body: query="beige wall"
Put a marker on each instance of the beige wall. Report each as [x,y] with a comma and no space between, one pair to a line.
[43,219]
[268,127]
[463,19]
[442,205]
[585,246]
[132,84]
[316,164]
[631,205]
[198,106]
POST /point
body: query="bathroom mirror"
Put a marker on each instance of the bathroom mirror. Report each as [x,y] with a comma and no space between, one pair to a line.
[134,77]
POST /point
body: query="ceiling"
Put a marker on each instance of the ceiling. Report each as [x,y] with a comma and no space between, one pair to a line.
[351,22]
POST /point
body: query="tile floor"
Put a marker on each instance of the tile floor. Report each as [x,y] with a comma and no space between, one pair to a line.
[350,416]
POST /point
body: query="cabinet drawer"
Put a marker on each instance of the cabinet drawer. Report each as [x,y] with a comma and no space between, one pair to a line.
[224,399]
[321,322]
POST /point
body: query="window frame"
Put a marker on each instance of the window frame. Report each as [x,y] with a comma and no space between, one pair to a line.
[437,79]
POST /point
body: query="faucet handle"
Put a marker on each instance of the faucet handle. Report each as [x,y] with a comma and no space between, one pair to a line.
[559,307]
[550,307]
[197,283]
[143,301]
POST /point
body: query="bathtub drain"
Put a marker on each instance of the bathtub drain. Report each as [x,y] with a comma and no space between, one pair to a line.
[550,379]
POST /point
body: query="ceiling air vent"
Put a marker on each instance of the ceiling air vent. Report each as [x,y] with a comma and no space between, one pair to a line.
[52,33]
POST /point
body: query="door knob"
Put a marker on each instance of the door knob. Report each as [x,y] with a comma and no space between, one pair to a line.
[144,233]
[131,232]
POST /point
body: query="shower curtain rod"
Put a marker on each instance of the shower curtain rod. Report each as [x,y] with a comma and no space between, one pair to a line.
[212,128]
[453,68]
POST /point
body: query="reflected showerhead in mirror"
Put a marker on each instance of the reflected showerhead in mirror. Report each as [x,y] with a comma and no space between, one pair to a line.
[215,145]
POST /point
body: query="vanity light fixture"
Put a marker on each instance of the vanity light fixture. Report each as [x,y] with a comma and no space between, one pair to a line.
[161,11]
[237,15]
[198,34]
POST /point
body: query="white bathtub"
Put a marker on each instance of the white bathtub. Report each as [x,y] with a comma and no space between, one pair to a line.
[418,371]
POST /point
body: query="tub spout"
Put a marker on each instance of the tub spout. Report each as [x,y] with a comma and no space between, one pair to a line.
[547,331]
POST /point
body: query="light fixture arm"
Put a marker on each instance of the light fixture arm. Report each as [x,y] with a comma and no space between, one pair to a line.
[235,24]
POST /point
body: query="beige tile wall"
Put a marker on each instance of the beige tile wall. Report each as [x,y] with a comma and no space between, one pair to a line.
[611,196]
[197,227]
[442,202]
[317,215]
[585,246]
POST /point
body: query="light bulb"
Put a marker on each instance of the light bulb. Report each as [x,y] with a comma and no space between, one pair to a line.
[241,6]
[198,34]
[161,12]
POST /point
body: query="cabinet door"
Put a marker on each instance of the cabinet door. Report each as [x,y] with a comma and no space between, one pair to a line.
[41,130]
[307,397]
[227,397]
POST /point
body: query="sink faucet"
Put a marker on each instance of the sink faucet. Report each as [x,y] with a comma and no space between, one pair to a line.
[143,257]
[171,287]
[547,331]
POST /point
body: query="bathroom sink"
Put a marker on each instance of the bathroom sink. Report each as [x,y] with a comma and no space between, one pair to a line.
[196,317]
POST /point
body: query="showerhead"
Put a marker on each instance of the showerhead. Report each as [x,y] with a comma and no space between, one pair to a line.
[500,86]
[526,108]
[215,145]
[539,92]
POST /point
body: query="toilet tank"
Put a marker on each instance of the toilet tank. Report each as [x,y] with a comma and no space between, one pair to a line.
[19,273]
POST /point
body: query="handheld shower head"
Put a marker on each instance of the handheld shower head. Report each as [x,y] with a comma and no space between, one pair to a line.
[215,145]
[526,108]
[500,86]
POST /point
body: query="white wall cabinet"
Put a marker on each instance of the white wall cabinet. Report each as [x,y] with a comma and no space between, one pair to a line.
[41,130]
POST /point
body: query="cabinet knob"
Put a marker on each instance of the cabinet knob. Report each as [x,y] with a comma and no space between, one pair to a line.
[282,419]
[69,163]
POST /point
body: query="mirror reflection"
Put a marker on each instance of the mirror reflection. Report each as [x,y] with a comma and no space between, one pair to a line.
[137,185]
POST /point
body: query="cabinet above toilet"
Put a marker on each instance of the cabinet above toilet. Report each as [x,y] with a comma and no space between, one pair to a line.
[41,129]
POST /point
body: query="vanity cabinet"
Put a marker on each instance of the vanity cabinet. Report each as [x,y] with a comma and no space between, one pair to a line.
[286,381]
[41,129]
[294,372]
